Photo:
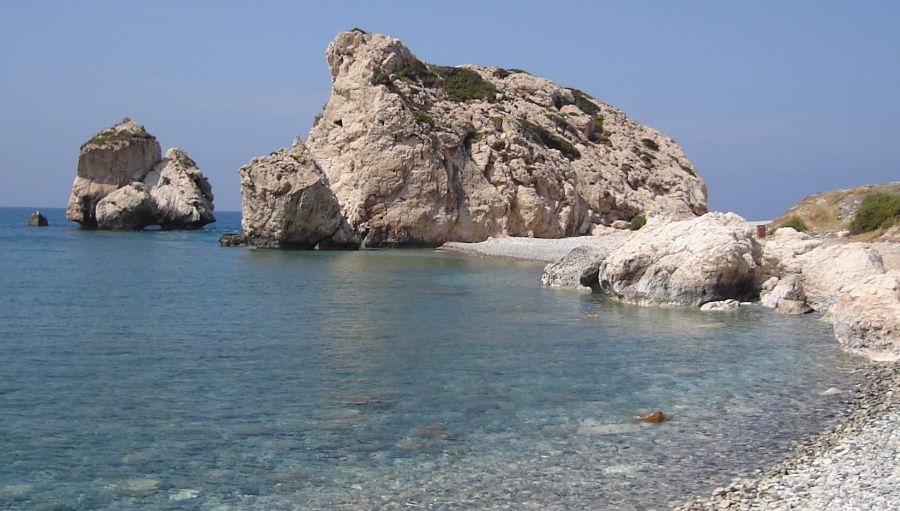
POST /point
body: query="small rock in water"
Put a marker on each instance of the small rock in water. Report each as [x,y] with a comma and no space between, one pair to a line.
[234,239]
[724,305]
[831,391]
[184,494]
[139,488]
[36,219]
[652,417]
[609,429]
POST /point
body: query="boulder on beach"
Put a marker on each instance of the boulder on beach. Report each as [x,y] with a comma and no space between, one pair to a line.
[691,262]
[866,316]
[36,219]
[125,158]
[418,154]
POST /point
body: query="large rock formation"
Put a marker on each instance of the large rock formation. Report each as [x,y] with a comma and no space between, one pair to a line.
[419,154]
[690,262]
[123,182]
[287,203]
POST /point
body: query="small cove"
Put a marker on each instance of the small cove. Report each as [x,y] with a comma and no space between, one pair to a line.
[158,370]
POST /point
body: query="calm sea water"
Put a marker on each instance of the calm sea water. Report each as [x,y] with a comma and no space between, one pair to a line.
[156,370]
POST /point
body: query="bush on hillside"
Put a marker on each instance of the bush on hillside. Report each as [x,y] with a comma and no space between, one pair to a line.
[796,223]
[877,210]
[464,84]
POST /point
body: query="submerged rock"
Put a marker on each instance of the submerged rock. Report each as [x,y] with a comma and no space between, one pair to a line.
[126,160]
[652,417]
[36,219]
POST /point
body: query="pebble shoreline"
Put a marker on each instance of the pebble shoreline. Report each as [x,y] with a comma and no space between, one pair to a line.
[854,465]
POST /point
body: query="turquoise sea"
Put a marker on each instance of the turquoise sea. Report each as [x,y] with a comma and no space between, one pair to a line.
[156,370]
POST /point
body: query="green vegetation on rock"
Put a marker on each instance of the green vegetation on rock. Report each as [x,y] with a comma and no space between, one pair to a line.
[503,73]
[498,145]
[109,136]
[464,84]
[423,118]
[584,102]
[796,223]
[650,144]
[550,140]
[638,221]
[878,210]
[598,136]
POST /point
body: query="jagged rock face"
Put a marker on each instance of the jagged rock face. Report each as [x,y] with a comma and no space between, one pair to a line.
[128,208]
[287,203]
[689,262]
[111,159]
[420,155]
[182,196]
[120,158]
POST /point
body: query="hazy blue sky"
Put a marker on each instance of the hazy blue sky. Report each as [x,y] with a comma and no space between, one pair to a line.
[772,101]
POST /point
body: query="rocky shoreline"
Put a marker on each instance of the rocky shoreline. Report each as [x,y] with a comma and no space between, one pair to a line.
[851,466]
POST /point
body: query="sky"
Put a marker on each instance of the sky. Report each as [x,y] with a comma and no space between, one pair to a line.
[771,100]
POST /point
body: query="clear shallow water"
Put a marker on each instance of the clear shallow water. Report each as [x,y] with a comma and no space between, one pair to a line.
[156,370]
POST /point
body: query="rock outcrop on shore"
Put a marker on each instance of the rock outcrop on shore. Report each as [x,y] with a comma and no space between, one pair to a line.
[123,183]
[690,262]
[715,260]
[288,203]
[417,154]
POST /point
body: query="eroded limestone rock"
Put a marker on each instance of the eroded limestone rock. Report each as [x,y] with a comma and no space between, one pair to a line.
[182,196]
[128,208]
[578,269]
[126,155]
[287,203]
[866,316]
[419,155]
[711,258]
